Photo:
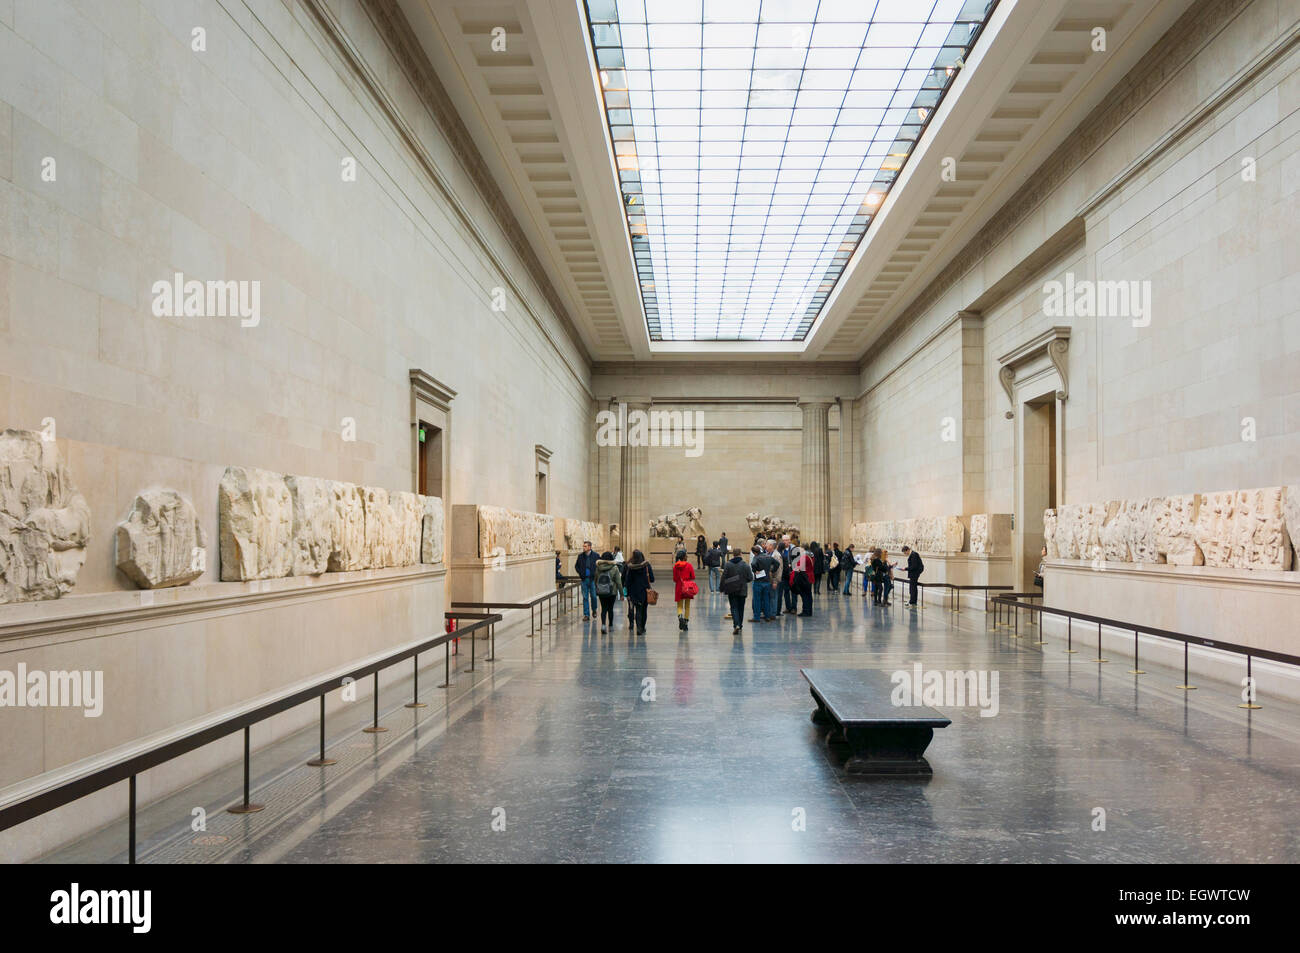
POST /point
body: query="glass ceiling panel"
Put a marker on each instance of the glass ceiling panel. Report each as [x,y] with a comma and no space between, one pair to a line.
[756,138]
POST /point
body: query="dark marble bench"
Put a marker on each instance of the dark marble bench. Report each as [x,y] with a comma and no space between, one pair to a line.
[882,738]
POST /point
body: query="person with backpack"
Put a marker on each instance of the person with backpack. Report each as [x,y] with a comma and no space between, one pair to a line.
[713,560]
[608,584]
[637,577]
[684,589]
[914,569]
[736,577]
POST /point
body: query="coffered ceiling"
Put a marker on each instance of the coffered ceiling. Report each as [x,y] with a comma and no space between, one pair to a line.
[521,75]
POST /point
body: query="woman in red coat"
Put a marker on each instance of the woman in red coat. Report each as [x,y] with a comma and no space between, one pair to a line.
[684,589]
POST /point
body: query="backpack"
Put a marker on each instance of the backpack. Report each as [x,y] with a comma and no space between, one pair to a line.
[732,584]
[605,584]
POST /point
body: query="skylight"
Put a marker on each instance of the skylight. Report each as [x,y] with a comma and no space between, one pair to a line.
[755,140]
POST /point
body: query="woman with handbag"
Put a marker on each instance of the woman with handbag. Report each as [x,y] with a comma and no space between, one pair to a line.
[684,589]
[637,576]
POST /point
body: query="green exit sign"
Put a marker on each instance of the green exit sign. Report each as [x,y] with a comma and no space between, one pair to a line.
[422,435]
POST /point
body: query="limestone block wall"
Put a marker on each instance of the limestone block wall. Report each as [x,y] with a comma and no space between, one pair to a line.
[227,165]
[1198,395]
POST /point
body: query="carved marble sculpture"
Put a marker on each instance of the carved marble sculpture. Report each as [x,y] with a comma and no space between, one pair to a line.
[348,550]
[44,521]
[672,525]
[1291,518]
[160,543]
[514,533]
[1049,534]
[383,539]
[1113,534]
[315,524]
[431,530]
[410,523]
[1178,539]
[1260,540]
[1214,527]
[769,527]
[255,515]
[575,532]
[990,534]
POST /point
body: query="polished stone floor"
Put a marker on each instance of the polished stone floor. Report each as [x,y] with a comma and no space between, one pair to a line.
[560,751]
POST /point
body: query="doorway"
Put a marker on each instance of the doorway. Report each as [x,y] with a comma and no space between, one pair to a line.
[1038,482]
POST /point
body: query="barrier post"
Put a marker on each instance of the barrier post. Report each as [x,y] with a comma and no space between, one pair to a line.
[1186,686]
[321,761]
[446,664]
[374,727]
[130,836]
[1069,636]
[1137,668]
[1099,659]
[1041,640]
[492,640]
[1250,680]
[247,807]
[415,693]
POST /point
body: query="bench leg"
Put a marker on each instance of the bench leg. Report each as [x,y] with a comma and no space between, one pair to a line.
[820,715]
[888,749]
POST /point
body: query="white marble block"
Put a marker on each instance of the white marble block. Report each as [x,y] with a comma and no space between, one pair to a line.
[1049,534]
[1113,533]
[255,515]
[1260,539]
[431,530]
[1144,516]
[410,523]
[315,520]
[44,521]
[1177,538]
[990,533]
[382,537]
[1214,527]
[161,544]
[348,551]
[1291,516]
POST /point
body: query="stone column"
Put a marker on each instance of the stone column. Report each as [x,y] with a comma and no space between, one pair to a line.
[634,488]
[815,481]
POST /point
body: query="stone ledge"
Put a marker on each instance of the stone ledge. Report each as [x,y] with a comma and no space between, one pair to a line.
[1288,579]
[72,613]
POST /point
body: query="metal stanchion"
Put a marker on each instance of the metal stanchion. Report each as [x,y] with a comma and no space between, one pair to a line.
[322,761]
[1250,681]
[375,727]
[492,639]
[446,664]
[1186,686]
[1069,636]
[1041,640]
[130,810]
[415,691]
[247,807]
[1137,668]
[1099,658]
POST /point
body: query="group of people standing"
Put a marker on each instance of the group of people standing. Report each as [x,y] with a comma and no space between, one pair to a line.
[781,574]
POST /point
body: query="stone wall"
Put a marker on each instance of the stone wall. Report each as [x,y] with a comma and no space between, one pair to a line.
[572,533]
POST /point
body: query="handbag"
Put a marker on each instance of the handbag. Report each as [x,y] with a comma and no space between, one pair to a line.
[689,589]
[651,596]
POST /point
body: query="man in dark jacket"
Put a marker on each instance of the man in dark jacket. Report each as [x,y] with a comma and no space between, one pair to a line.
[914,569]
[736,577]
[765,568]
[784,594]
[585,568]
[713,560]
